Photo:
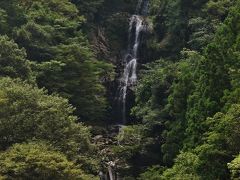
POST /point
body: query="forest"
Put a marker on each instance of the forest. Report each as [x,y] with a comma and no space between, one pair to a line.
[119,89]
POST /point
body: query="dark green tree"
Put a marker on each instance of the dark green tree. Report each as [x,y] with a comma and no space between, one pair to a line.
[13,61]
[56,41]
[214,80]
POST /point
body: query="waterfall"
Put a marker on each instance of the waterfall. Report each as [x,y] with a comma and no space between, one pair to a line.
[128,78]
[137,27]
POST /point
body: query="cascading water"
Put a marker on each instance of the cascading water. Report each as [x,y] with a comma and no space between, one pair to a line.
[137,27]
[127,81]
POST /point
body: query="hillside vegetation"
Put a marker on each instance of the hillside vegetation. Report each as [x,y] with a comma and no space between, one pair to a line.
[60,61]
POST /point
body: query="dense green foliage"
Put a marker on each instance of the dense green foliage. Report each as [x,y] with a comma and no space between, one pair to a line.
[41,45]
[57,60]
[62,57]
[175,101]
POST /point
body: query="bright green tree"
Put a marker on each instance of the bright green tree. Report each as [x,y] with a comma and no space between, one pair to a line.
[27,112]
[38,161]
[234,168]
[185,168]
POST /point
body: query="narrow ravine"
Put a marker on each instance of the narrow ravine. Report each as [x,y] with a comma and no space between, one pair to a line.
[128,80]
[137,28]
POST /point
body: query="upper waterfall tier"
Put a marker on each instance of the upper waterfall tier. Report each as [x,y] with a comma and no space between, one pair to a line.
[136,27]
